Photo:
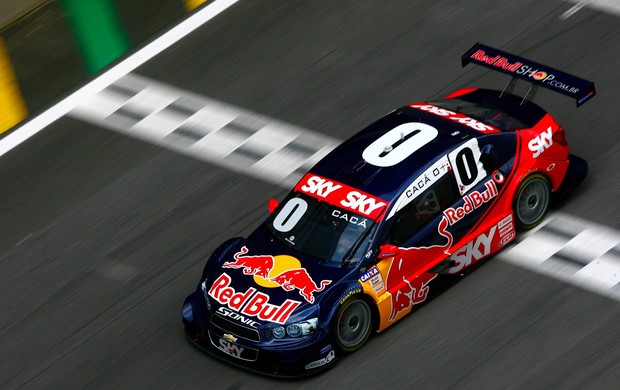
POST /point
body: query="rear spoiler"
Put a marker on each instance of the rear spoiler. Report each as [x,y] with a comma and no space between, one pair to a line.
[539,75]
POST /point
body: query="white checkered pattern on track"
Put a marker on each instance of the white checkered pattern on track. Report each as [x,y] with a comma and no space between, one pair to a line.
[221,134]
[572,250]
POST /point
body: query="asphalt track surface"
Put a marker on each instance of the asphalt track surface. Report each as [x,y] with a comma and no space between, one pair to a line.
[102,235]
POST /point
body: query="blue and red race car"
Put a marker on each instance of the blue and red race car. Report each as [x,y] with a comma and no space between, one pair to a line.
[426,192]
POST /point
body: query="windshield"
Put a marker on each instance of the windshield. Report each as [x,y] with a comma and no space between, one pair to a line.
[318,229]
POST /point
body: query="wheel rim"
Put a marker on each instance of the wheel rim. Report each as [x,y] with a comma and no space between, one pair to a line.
[533,201]
[354,324]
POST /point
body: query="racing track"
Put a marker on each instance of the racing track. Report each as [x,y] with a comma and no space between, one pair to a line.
[103,235]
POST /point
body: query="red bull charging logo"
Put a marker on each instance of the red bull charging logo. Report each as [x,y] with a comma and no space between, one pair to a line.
[407,293]
[252,265]
[277,271]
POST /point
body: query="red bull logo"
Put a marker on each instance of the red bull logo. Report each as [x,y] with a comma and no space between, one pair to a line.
[300,280]
[406,293]
[277,271]
[250,302]
[498,61]
[471,202]
[252,265]
[411,294]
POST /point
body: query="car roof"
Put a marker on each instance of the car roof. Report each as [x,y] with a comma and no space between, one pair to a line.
[346,165]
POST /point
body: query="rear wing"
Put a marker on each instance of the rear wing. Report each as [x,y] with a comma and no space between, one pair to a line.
[539,75]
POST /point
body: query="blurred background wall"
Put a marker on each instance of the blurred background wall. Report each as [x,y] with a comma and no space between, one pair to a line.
[50,47]
[12,9]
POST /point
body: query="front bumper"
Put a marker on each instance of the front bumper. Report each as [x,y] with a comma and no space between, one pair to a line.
[282,358]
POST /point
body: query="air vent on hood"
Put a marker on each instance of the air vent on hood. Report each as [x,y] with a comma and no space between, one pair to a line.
[361,173]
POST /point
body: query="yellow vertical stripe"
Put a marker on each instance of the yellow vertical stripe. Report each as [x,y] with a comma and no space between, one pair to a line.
[12,106]
[193,4]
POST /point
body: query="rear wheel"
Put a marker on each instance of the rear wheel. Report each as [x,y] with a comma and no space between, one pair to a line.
[531,201]
[352,324]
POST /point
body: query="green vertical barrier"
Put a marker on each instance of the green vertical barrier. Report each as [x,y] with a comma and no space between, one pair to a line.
[97,30]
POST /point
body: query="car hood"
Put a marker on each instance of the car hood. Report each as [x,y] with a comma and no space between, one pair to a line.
[259,277]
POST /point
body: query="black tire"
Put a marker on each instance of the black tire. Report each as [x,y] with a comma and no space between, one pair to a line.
[352,324]
[531,201]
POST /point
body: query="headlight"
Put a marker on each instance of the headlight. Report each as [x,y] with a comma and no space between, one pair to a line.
[278,332]
[297,329]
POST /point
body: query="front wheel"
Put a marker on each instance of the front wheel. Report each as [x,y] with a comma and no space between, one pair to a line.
[531,201]
[352,324]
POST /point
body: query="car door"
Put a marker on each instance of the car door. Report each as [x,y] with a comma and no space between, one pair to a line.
[428,222]
[418,235]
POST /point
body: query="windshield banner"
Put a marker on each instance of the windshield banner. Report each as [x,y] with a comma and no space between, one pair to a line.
[342,195]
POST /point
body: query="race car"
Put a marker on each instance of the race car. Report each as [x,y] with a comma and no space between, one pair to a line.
[423,194]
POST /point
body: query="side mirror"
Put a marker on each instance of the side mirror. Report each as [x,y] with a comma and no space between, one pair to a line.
[272,205]
[489,157]
[388,250]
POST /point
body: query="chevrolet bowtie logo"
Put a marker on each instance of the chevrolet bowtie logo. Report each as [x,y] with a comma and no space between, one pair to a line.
[230,337]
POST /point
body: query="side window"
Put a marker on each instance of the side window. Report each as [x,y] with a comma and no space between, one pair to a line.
[425,207]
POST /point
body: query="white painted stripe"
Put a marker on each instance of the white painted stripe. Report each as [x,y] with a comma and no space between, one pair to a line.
[129,64]
[608,6]
[574,9]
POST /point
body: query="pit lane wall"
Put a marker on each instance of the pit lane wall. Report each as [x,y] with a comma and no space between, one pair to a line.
[49,47]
